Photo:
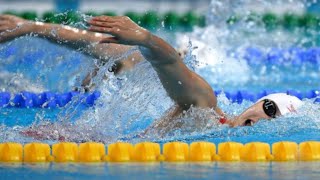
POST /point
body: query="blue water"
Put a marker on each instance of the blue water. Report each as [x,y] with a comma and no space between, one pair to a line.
[59,69]
[132,101]
[274,170]
[297,128]
[129,109]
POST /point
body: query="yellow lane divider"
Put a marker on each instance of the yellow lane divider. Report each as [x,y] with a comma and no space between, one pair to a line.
[285,151]
[65,152]
[151,152]
[36,152]
[11,152]
[146,152]
[229,151]
[120,152]
[203,151]
[256,151]
[91,152]
[309,150]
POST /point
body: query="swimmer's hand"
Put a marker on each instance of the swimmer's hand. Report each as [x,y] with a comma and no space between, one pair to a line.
[12,27]
[122,28]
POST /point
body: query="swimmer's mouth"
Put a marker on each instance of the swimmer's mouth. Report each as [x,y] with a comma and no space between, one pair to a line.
[248,122]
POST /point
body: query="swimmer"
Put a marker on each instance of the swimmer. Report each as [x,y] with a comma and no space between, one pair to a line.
[184,87]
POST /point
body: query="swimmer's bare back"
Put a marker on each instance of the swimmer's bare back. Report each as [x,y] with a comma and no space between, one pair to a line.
[185,87]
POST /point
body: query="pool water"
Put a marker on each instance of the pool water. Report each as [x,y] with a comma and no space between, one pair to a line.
[233,170]
[227,58]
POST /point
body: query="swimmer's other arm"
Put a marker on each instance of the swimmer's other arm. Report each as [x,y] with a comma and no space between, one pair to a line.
[185,87]
[12,27]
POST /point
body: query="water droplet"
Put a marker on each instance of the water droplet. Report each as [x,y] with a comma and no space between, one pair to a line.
[162,24]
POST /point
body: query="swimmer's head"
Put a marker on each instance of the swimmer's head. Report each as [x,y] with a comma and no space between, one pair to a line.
[268,107]
[265,109]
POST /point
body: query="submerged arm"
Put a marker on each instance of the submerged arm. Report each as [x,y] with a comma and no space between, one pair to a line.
[164,124]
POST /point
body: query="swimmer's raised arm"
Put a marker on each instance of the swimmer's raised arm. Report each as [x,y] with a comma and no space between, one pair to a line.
[185,87]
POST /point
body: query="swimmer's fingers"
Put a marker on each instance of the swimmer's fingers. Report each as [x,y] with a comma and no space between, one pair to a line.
[12,27]
[124,30]
[103,19]
[2,30]
[3,25]
[6,17]
[10,18]
[101,29]
[103,24]
[110,30]
[106,18]
[4,34]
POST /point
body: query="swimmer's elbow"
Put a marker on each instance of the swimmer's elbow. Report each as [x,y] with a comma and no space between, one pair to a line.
[158,51]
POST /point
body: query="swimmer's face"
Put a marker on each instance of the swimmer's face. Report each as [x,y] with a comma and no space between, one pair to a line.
[250,116]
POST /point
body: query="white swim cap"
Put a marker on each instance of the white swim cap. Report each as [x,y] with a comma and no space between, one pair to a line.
[284,102]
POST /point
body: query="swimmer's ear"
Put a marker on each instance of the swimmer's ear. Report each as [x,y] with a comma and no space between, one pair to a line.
[109,40]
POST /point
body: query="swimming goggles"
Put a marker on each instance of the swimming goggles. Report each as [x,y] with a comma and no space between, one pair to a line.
[270,108]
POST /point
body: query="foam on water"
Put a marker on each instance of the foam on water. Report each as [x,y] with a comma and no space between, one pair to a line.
[44,65]
[213,63]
